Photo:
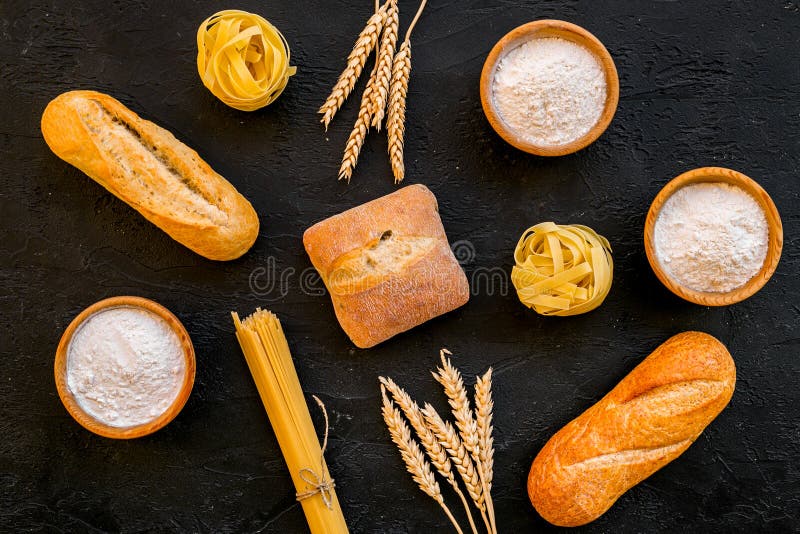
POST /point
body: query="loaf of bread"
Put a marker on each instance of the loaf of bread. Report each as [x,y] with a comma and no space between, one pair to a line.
[387,265]
[146,167]
[645,422]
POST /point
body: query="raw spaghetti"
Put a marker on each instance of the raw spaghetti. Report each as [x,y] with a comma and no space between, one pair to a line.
[243,59]
[267,353]
[562,269]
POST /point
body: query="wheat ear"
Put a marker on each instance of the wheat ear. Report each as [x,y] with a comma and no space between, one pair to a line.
[396,120]
[448,437]
[415,461]
[436,452]
[452,382]
[363,47]
[360,129]
[450,378]
[484,405]
[398,92]
[380,88]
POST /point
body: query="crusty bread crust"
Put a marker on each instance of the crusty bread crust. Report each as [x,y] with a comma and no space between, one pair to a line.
[147,167]
[379,290]
[652,416]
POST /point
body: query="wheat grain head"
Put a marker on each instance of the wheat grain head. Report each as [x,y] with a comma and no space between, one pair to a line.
[409,450]
[359,133]
[484,406]
[483,417]
[413,413]
[450,378]
[362,48]
[380,90]
[459,455]
[396,115]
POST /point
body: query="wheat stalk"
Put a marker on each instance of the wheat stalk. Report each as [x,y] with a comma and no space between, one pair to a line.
[360,129]
[398,91]
[483,419]
[460,457]
[396,120]
[436,452]
[380,88]
[468,445]
[362,48]
[451,380]
[415,461]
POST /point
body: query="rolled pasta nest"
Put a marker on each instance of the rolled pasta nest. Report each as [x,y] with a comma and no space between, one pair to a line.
[243,59]
[562,269]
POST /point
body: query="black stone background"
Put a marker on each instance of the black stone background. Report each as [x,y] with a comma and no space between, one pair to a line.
[702,83]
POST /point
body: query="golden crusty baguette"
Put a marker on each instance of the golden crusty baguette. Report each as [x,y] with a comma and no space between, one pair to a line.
[645,422]
[387,265]
[146,167]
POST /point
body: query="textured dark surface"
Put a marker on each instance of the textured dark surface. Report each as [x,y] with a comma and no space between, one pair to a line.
[702,83]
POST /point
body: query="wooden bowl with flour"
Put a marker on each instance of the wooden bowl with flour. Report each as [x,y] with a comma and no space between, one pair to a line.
[124,367]
[774,244]
[605,109]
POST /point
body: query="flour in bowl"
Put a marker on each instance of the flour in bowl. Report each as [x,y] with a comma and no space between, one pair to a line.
[711,237]
[125,366]
[550,91]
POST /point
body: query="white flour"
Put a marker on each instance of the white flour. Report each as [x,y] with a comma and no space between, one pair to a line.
[550,91]
[125,366]
[711,237]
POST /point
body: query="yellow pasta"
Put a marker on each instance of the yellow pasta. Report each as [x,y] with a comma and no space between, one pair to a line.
[267,353]
[562,269]
[243,59]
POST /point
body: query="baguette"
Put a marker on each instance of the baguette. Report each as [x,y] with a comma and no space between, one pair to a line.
[387,265]
[652,416]
[144,165]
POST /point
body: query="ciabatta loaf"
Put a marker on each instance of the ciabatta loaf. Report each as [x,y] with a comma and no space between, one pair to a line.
[645,422]
[387,265]
[146,167]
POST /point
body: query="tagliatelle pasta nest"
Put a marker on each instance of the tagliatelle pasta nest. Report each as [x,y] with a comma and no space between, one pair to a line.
[243,59]
[562,269]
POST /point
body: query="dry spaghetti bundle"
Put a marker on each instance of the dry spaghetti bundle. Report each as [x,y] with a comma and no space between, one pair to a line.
[562,269]
[267,353]
[386,89]
[243,59]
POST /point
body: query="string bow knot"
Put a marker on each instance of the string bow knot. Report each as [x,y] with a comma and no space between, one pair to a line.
[318,484]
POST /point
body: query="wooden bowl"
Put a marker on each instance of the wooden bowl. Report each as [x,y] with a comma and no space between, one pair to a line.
[775,245]
[89,422]
[549,28]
